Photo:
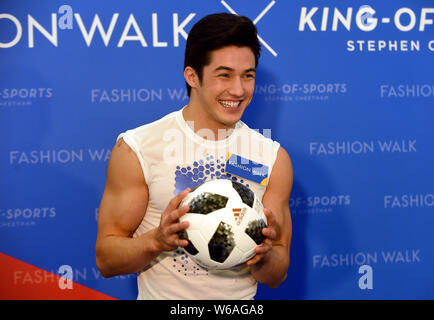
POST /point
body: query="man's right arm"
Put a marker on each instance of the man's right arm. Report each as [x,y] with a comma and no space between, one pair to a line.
[121,211]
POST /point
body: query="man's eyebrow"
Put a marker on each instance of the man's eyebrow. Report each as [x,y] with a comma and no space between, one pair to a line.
[220,68]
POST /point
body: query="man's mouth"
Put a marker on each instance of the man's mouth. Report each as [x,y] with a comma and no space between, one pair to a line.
[229,104]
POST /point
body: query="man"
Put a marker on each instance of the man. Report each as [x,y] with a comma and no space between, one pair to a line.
[153,167]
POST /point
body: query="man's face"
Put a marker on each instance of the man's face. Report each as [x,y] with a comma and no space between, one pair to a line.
[227,85]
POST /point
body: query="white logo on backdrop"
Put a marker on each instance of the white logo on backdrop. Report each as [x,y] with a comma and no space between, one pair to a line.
[255,21]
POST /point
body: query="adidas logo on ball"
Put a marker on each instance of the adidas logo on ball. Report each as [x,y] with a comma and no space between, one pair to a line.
[239,214]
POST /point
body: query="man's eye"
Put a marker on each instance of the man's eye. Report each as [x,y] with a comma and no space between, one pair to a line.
[250,75]
[224,75]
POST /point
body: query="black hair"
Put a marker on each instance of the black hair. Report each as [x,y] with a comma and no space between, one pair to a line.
[216,31]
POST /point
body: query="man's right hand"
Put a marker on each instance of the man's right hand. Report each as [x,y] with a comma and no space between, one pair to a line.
[166,235]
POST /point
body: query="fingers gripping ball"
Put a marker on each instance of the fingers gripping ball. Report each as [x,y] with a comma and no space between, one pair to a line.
[226,220]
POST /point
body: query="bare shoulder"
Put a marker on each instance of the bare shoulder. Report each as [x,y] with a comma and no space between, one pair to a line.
[124,167]
[283,159]
[122,152]
[281,177]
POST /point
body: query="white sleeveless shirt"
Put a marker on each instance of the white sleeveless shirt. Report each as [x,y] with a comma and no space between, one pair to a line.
[173,157]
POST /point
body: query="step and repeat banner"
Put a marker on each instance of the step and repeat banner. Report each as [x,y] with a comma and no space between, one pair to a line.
[346,87]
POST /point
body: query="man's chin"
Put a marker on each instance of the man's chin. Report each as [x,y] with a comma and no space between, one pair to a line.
[230,122]
[232,117]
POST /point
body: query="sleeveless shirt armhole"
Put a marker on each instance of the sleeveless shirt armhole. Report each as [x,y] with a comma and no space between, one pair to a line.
[130,140]
[276,146]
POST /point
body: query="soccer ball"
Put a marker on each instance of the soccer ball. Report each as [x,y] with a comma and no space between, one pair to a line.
[226,220]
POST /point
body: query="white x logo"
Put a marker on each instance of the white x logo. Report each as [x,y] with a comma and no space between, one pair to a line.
[259,17]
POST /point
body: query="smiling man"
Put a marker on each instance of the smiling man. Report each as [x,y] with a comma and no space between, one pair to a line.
[221,94]
[138,222]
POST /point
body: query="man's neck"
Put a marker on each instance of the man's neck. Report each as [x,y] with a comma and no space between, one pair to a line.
[199,121]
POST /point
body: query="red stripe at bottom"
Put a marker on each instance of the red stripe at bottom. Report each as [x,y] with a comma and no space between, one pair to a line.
[22,281]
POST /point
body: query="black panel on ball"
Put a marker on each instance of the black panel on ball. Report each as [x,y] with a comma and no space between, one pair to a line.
[245,193]
[222,243]
[191,249]
[254,230]
[207,202]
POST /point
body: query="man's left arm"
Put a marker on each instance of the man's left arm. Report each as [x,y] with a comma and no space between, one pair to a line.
[271,262]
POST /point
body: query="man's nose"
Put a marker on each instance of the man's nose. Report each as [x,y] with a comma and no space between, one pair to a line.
[237,87]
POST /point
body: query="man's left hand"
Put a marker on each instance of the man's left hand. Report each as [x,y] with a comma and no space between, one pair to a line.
[270,235]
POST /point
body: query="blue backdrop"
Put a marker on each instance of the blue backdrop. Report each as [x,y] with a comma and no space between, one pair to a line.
[346,87]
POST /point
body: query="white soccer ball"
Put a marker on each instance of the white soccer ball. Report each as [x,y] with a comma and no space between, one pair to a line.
[226,220]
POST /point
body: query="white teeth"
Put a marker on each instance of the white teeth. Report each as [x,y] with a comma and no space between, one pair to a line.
[230,104]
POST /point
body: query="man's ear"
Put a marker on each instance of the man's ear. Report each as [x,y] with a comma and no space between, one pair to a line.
[191,77]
